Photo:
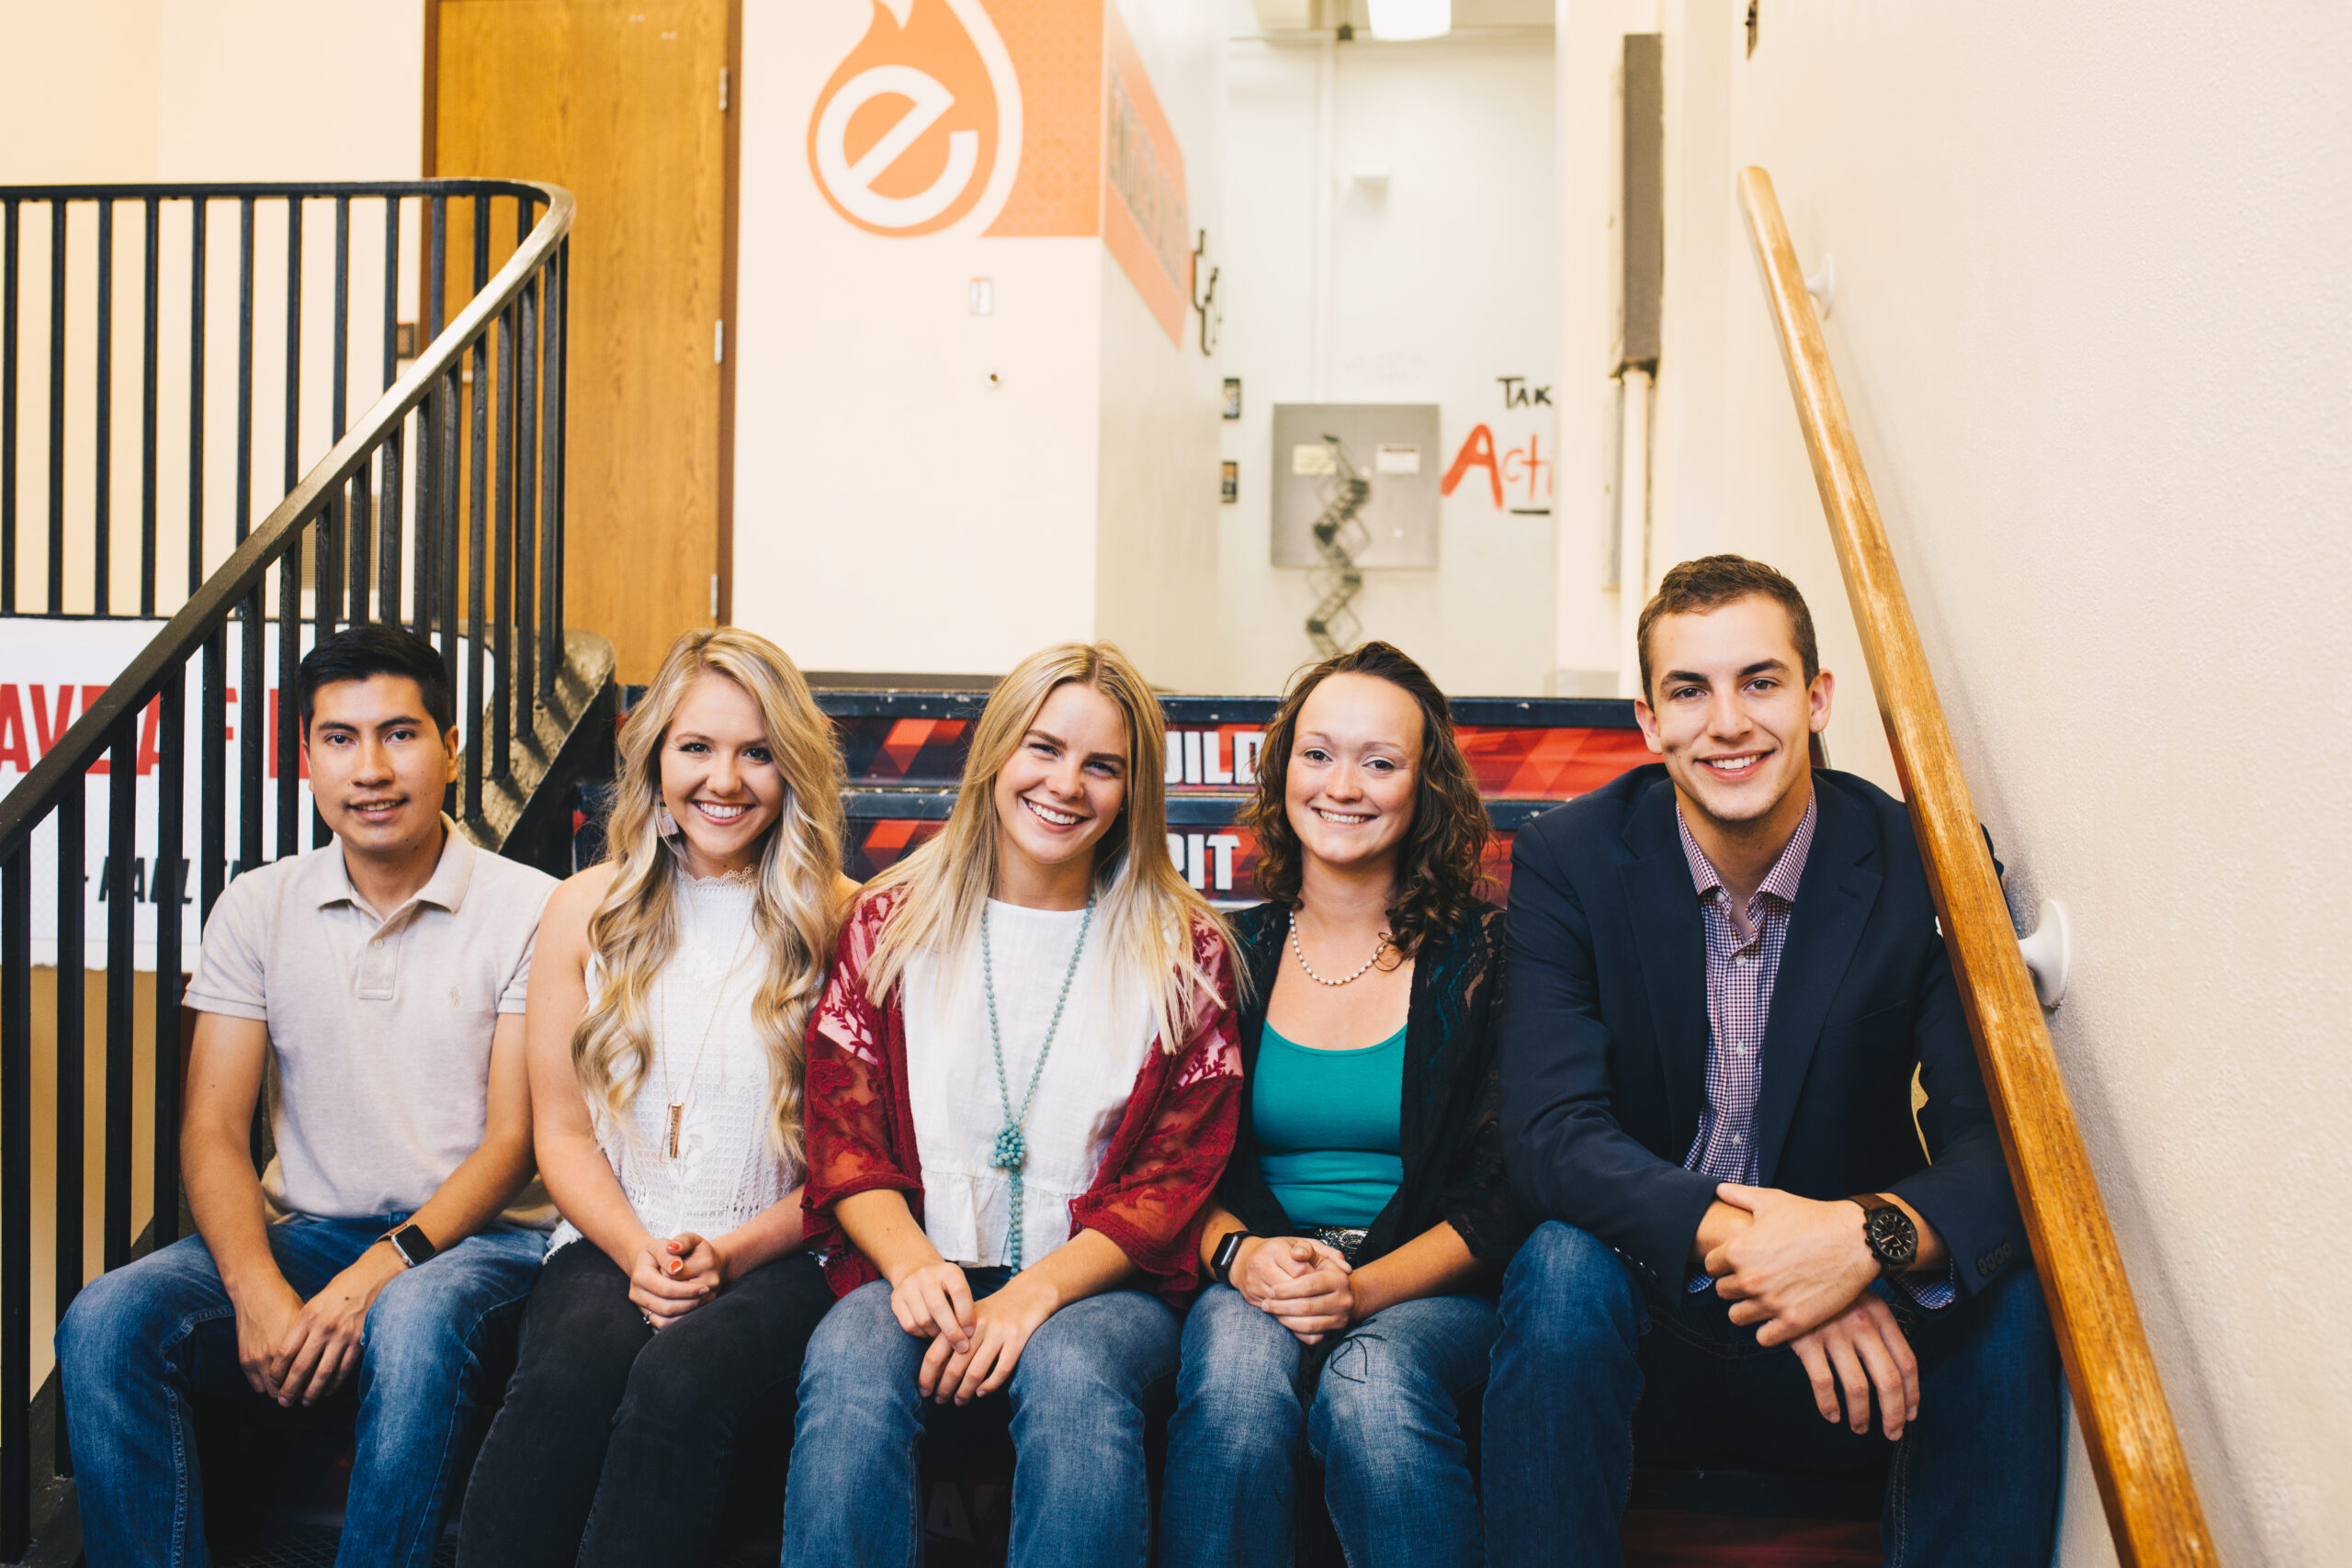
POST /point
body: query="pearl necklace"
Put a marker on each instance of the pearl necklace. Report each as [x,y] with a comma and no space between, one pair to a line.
[1378,948]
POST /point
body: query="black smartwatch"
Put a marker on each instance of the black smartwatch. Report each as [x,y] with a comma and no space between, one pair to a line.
[413,1245]
[1229,1248]
[1888,1232]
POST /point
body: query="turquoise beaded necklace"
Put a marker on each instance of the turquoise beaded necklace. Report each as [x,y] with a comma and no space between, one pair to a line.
[1011,1143]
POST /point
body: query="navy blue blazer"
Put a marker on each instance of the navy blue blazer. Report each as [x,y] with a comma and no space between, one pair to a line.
[1604,1033]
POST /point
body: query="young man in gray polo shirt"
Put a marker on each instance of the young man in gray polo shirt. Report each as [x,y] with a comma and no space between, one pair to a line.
[392,1241]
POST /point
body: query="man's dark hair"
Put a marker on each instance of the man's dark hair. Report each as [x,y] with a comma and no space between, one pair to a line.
[364,652]
[1711,582]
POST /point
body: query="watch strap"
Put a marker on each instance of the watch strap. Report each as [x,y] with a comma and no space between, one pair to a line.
[1872,1203]
[413,1245]
[1229,1248]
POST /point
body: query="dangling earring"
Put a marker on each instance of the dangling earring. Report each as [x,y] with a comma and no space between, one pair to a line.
[664,824]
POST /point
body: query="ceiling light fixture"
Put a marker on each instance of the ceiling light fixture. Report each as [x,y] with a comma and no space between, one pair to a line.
[1400,21]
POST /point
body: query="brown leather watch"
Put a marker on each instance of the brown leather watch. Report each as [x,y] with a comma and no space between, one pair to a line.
[1888,1232]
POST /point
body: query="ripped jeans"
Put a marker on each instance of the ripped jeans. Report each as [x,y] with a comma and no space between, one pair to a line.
[1382,1417]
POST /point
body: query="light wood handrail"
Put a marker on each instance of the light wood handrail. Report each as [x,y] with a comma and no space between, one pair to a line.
[2143,1478]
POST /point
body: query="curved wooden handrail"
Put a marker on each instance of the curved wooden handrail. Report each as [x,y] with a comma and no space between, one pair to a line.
[2143,1478]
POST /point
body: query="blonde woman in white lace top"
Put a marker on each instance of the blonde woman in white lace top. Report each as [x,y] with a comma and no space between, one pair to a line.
[669,1001]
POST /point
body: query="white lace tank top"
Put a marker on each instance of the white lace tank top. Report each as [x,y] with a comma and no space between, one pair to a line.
[726,1169]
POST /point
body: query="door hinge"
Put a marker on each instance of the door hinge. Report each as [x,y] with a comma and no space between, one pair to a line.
[722,89]
[714,595]
[718,343]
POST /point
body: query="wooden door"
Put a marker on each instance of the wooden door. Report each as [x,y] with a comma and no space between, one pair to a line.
[624,102]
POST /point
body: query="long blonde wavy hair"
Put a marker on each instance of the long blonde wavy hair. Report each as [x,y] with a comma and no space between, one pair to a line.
[1145,912]
[634,930]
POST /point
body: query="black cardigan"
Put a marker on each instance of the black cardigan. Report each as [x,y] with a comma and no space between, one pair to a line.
[1449,1131]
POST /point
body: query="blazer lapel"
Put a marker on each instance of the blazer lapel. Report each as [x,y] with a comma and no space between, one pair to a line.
[1834,902]
[1671,943]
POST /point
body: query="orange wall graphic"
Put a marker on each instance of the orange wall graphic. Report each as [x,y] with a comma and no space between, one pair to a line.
[906,132]
[1144,220]
[1057,50]
[905,137]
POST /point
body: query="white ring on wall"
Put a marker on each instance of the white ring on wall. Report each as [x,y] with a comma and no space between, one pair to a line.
[1007,82]
[852,185]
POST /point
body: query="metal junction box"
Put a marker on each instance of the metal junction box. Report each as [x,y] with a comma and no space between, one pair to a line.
[1393,445]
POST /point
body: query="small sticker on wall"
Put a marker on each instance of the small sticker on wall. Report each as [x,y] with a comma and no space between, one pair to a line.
[1228,483]
[1394,458]
[1312,457]
[1233,397]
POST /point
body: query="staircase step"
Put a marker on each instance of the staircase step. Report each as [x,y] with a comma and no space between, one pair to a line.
[1656,1538]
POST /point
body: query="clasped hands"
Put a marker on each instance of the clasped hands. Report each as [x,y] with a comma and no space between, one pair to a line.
[1799,1270]
[298,1352]
[1305,1285]
[670,1276]
[974,1344]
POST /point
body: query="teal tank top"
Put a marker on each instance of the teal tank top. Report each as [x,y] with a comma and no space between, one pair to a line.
[1325,1122]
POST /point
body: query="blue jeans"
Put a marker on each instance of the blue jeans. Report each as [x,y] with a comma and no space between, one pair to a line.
[141,1342]
[1590,1367]
[1077,1398]
[1383,1418]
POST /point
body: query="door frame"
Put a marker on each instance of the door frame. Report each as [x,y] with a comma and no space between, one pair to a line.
[730,179]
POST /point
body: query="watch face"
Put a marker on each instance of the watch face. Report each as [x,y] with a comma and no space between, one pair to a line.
[1892,1237]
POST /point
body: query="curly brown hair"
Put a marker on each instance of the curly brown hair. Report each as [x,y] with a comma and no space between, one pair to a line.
[1439,864]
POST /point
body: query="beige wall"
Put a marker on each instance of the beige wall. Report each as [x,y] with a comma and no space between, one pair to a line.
[290,90]
[43,1242]
[133,91]
[1156,516]
[78,90]
[2091,322]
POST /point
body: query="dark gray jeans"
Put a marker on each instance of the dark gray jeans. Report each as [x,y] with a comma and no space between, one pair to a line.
[617,1444]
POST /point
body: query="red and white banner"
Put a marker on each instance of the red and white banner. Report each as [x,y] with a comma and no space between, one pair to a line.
[51,672]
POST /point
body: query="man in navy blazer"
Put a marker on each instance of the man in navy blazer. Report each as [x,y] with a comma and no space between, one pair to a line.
[1724,971]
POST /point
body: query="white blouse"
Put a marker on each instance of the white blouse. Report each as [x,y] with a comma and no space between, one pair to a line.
[952,1082]
[726,1169]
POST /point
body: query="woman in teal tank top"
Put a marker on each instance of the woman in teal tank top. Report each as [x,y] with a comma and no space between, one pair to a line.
[1357,1236]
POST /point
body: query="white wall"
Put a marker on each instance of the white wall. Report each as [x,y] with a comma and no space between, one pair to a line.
[2091,323]
[1156,511]
[1435,290]
[895,508]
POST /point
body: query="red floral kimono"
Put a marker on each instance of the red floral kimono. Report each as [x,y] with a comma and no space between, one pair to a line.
[1158,1174]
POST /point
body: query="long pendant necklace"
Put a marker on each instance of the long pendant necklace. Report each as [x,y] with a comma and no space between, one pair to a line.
[1011,1144]
[1378,948]
[677,1102]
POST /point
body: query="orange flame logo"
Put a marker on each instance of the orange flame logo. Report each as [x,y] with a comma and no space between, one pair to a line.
[907,132]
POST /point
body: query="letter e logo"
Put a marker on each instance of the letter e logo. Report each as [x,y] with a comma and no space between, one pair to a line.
[907,132]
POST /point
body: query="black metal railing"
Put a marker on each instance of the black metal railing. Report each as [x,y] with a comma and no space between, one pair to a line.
[441,508]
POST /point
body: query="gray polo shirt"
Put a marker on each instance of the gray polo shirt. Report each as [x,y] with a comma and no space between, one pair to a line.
[379,1023]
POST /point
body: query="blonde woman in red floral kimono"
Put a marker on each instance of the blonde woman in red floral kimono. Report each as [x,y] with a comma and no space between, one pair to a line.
[1023,1084]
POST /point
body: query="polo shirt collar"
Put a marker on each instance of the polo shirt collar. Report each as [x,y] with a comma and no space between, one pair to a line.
[445,890]
[1787,872]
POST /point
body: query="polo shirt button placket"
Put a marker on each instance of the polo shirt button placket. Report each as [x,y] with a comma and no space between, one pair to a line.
[379,968]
